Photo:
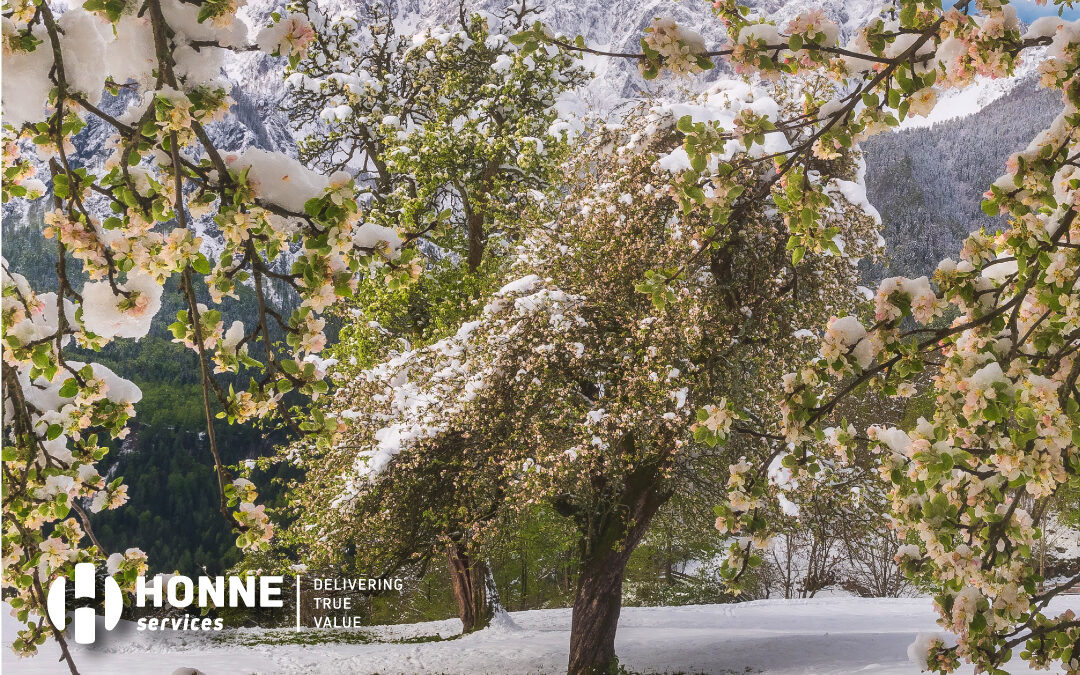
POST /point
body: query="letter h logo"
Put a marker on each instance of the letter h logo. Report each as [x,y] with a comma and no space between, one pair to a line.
[85,624]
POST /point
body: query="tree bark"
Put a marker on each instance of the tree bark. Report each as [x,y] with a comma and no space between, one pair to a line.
[473,588]
[597,605]
[475,205]
[475,231]
[611,535]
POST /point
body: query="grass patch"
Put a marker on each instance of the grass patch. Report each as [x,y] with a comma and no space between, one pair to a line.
[423,638]
[302,637]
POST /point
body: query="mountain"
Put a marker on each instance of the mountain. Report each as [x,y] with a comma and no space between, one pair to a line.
[928,182]
[614,26]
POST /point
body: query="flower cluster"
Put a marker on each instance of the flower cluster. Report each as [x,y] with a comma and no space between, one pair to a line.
[127,224]
[255,525]
[714,423]
[289,36]
[997,332]
[678,49]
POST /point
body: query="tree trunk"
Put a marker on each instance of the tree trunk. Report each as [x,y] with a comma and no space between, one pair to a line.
[475,205]
[610,538]
[524,575]
[475,231]
[597,605]
[473,588]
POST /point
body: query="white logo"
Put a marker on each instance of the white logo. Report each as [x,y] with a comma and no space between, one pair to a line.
[85,624]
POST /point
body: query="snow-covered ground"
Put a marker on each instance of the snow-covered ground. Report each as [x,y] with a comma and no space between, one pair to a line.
[828,635]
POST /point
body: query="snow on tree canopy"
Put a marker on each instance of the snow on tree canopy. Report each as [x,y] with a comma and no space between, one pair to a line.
[369,235]
[26,84]
[41,323]
[127,316]
[721,106]
[278,178]
[56,408]
[417,391]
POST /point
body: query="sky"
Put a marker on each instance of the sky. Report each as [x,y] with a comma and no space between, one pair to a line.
[1029,11]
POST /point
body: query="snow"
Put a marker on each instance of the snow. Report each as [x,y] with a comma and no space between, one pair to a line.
[184,19]
[1044,27]
[855,192]
[760,31]
[199,67]
[987,376]
[835,635]
[91,51]
[722,104]
[675,161]
[41,324]
[919,650]
[26,85]
[848,329]
[45,394]
[232,337]
[131,55]
[84,46]
[523,285]
[369,235]
[279,179]
[1000,271]
[897,440]
[103,316]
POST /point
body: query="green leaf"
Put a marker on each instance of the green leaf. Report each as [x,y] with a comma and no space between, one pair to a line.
[42,358]
[695,193]
[200,264]
[70,388]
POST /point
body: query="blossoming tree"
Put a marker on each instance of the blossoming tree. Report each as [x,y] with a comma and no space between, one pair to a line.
[996,329]
[457,132]
[131,219]
[573,386]
[456,128]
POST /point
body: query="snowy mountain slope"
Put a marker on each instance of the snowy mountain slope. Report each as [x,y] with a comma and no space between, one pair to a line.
[928,182]
[617,26]
[611,26]
[957,103]
[823,635]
